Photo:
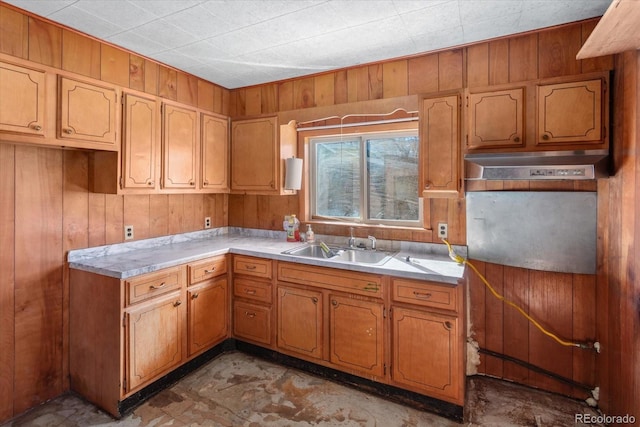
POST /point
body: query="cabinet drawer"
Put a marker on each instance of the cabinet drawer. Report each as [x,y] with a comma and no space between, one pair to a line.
[252,266]
[252,322]
[147,286]
[425,293]
[259,291]
[331,278]
[206,269]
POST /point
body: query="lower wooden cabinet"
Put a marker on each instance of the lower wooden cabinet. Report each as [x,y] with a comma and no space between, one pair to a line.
[300,321]
[207,315]
[356,328]
[252,322]
[153,340]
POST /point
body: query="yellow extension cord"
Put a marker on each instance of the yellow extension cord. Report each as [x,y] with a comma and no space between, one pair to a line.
[460,260]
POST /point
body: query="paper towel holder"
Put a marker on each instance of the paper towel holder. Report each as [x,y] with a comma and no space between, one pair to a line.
[293,174]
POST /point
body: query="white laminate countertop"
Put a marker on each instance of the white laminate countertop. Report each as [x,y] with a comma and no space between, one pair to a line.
[124,260]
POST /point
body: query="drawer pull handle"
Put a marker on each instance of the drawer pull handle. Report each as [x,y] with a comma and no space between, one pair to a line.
[422,295]
[250,267]
[160,286]
[207,271]
[371,287]
[177,303]
[250,291]
[250,314]
[194,296]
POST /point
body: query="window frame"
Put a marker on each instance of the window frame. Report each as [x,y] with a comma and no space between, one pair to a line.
[363,133]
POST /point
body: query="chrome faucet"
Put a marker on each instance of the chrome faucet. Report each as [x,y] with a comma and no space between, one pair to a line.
[373,242]
[352,240]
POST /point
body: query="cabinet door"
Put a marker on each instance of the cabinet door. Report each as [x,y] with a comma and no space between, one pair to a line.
[207,315]
[254,156]
[440,152]
[139,142]
[299,324]
[22,104]
[153,336]
[496,119]
[570,113]
[180,143]
[87,113]
[215,153]
[426,352]
[356,330]
[252,322]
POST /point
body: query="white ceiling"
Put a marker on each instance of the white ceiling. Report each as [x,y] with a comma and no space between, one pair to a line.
[237,43]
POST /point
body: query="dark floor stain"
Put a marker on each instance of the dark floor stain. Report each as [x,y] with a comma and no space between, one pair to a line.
[165,398]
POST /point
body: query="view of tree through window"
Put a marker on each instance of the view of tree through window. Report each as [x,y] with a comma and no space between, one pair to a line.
[367,178]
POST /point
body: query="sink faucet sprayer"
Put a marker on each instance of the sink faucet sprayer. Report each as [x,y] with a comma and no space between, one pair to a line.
[352,240]
[373,242]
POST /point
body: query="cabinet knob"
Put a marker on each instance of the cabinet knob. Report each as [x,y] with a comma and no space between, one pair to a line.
[546,137]
[194,296]
[315,300]
[160,286]
[36,127]
[150,183]
[448,325]
[205,183]
[516,139]
[177,303]
[191,183]
[427,184]
[334,303]
[68,131]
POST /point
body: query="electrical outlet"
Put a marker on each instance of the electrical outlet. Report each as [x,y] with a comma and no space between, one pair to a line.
[207,222]
[128,232]
[443,230]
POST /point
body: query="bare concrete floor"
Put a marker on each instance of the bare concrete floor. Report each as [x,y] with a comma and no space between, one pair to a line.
[236,389]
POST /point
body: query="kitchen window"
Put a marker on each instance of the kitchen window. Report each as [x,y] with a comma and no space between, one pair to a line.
[366,178]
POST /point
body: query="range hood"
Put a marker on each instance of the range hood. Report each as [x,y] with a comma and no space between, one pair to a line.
[573,165]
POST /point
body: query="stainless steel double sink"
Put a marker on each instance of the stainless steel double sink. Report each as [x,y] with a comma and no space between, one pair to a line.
[342,254]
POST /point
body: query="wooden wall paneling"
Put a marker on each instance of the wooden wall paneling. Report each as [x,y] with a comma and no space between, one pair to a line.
[7,278]
[252,97]
[324,90]
[176,213]
[136,213]
[550,303]
[193,212]
[151,76]
[222,209]
[523,58]
[114,65]
[603,328]
[136,72]
[478,65]
[269,98]
[456,218]
[635,266]
[285,96]
[375,81]
[395,79]
[263,206]
[187,89]
[205,95]
[477,296]
[236,207]
[450,70]
[557,49]
[158,215]
[494,319]
[97,217]
[516,330]
[80,54]
[167,83]
[499,62]
[14,33]
[303,92]
[438,212]
[340,91]
[422,74]
[38,276]
[237,103]
[358,84]
[600,63]
[114,219]
[45,43]
[250,211]
[584,329]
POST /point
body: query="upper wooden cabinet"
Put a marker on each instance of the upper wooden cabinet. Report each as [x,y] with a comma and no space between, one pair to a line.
[215,152]
[496,119]
[180,146]
[440,146]
[22,104]
[139,142]
[570,113]
[87,112]
[257,156]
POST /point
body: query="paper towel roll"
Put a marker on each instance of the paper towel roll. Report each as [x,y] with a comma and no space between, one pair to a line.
[293,174]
